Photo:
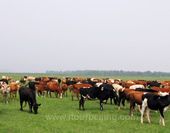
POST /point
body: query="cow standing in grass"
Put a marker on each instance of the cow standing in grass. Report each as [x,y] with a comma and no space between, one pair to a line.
[103,92]
[5,89]
[155,102]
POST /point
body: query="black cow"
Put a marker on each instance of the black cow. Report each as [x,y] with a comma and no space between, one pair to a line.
[70,82]
[103,92]
[4,80]
[153,83]
[28,95]
[155,102]
[145,90]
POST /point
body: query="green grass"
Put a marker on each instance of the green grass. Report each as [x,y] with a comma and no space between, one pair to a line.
[63,116]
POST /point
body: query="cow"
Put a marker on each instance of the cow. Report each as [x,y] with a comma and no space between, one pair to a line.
[54,87]
[155,102]
[4,81]
[137,86]
[64,88]
[117,87]
[142,82]
[14,87]
[28,95]
[102,93]
[153,83]
[161,89]
[76,88]
[5,89]
[41,87]
[126,85]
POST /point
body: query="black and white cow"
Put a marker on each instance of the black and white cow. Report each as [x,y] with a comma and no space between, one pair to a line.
[101,92]
[28,95]
[155,102]
[153,83]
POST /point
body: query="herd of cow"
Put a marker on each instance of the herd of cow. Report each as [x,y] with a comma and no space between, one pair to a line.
[147,95]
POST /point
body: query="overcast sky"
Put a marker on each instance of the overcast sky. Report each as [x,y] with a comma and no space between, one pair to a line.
[41,35]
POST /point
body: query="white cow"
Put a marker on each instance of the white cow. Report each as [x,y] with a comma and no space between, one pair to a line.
[5,89]
[137,86]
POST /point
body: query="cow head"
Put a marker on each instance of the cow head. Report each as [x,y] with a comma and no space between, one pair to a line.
[5,89]
[35,107]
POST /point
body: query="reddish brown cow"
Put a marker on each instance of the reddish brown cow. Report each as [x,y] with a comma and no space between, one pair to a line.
[54,87]
[141,82]
[71,88]
[134,97]
[126,85]
[161,89]
[14,87]
[76,88]
[64,88]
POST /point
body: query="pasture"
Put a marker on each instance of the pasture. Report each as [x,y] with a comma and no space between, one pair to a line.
[63,115]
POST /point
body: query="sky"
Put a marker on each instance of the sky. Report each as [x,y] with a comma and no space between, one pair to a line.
[59,35]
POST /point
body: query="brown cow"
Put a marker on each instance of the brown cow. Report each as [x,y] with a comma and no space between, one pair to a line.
[161,89]
[135,97]
[14,87]
[54,87]
[64,88]
[126,85]
[142,82]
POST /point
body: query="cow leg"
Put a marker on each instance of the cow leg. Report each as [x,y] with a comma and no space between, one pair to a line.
[30,106]
[131,108]
[78,96]
[147,113]
[50,93]
[55,94]
[6,98]
[15,96]
[10,96]
[21,104]
[66,93]
[72,96]
[162,117]
[119,100]
[81,103]
[144,105]
[101,105]
[123,103]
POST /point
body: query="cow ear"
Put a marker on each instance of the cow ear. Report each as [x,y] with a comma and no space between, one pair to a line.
[39,104]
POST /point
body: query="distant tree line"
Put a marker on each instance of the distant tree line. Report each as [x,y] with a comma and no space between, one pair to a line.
[110,73]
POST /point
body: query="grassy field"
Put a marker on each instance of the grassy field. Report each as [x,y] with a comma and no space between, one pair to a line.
[63,116]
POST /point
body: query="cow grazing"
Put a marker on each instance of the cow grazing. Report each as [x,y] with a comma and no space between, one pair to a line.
[155,102]
[5,89]
[28,95]
[102,93]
